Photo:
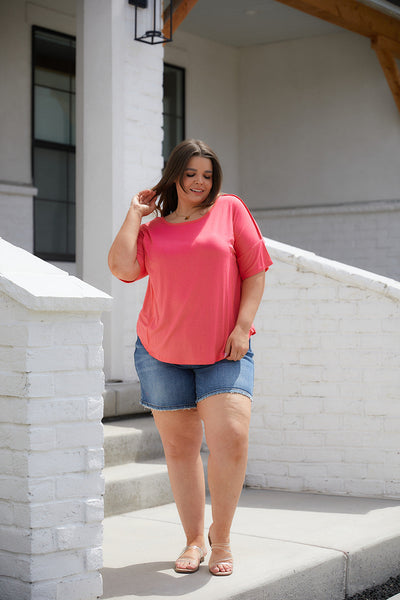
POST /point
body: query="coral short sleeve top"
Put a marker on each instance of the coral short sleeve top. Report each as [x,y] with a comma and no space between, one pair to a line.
[195,271]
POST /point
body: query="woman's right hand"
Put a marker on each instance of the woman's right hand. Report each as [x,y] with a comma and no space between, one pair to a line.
[122,258]
[144,202]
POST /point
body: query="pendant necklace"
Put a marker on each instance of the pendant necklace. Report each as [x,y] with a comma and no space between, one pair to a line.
[188,216]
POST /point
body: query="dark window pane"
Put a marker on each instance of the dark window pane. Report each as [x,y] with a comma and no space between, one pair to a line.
[173,134]
[52,115]
[174,108]
[71,228]
[50,231]
[53,79]
[53,144]
[72,121]
[173,90]
[54,52]
[50,173]
[71,178]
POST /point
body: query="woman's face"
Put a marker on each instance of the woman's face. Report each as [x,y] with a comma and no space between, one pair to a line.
[197,181]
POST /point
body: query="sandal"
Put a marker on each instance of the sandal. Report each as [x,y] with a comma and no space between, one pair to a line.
[228,560]
[202,554]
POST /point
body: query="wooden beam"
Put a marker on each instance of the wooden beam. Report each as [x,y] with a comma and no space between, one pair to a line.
[180,10]
[380,41]
[351,15]
[386,52]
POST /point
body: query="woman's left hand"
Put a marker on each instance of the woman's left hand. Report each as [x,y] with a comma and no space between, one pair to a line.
[237,344]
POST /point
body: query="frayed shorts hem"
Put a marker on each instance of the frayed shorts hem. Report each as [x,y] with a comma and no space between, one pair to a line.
[172,408]
[215,393]
[226,391]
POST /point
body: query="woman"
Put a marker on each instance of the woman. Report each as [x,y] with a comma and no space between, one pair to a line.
[206,262]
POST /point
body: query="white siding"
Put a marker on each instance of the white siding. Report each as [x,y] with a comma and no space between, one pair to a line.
[318,124]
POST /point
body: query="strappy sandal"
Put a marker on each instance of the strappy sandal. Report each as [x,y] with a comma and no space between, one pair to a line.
[228,560]
[202,554]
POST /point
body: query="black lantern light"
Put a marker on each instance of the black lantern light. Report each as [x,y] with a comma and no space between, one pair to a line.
[150,18]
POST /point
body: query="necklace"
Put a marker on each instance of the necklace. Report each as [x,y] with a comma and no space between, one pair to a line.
[186,218]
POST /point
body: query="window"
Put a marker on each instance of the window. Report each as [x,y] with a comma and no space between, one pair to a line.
[53,144]
[174,108]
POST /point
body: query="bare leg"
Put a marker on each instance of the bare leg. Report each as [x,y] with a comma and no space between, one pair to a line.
[182,434]
[226,418]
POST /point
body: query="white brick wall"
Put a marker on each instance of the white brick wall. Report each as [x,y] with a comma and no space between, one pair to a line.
[365,235]
[326,416]
[142,151]
[51,436]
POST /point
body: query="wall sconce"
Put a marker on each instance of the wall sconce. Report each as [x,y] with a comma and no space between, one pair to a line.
[149,21]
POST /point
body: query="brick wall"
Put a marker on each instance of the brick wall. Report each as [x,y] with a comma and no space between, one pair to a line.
[363,234]
[143,162]
[51,437]
[326,416]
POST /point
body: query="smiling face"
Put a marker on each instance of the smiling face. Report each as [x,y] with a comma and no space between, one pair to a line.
[196,182]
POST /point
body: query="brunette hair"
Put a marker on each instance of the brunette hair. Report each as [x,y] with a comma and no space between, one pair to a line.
[175,169]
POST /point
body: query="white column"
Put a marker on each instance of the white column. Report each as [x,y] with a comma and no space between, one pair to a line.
[119,145]
[51,435]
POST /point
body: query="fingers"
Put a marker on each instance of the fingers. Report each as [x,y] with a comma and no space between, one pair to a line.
[235,349]
[228,348]
[235,356]
[146,197]
[144,201]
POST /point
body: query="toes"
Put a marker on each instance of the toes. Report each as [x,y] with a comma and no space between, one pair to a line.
[185,564]
[222,567]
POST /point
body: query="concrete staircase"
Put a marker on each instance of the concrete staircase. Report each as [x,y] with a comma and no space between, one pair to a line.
[287,545]
[122,398]
[135,472]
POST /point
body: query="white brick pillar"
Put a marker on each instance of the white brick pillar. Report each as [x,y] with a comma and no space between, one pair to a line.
[119,152]
[51,437]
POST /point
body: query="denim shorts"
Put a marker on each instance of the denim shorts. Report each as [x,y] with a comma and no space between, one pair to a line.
[167,386]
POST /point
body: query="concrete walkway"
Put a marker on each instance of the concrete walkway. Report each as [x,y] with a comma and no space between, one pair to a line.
[287,546]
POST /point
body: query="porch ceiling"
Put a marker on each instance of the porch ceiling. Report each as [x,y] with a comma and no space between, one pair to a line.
[243,23]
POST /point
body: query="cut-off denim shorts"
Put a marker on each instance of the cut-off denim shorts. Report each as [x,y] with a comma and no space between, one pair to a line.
[167,386]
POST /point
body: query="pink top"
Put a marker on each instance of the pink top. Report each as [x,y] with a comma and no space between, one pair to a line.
[195,272]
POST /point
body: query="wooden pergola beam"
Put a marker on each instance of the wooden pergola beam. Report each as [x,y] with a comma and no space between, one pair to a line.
[380,41]
[180,10]
[383,31]
[351,15]
[387,52]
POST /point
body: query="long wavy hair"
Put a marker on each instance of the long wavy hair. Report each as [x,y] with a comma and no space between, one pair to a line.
[174,172]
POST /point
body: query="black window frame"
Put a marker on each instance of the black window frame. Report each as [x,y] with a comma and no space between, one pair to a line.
[35,143]
[183,103]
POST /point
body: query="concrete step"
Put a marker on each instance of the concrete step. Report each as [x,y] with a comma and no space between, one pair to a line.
[286,546]
[122,398]
[138,485]
[133,439]
[134,486]
[136,475]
